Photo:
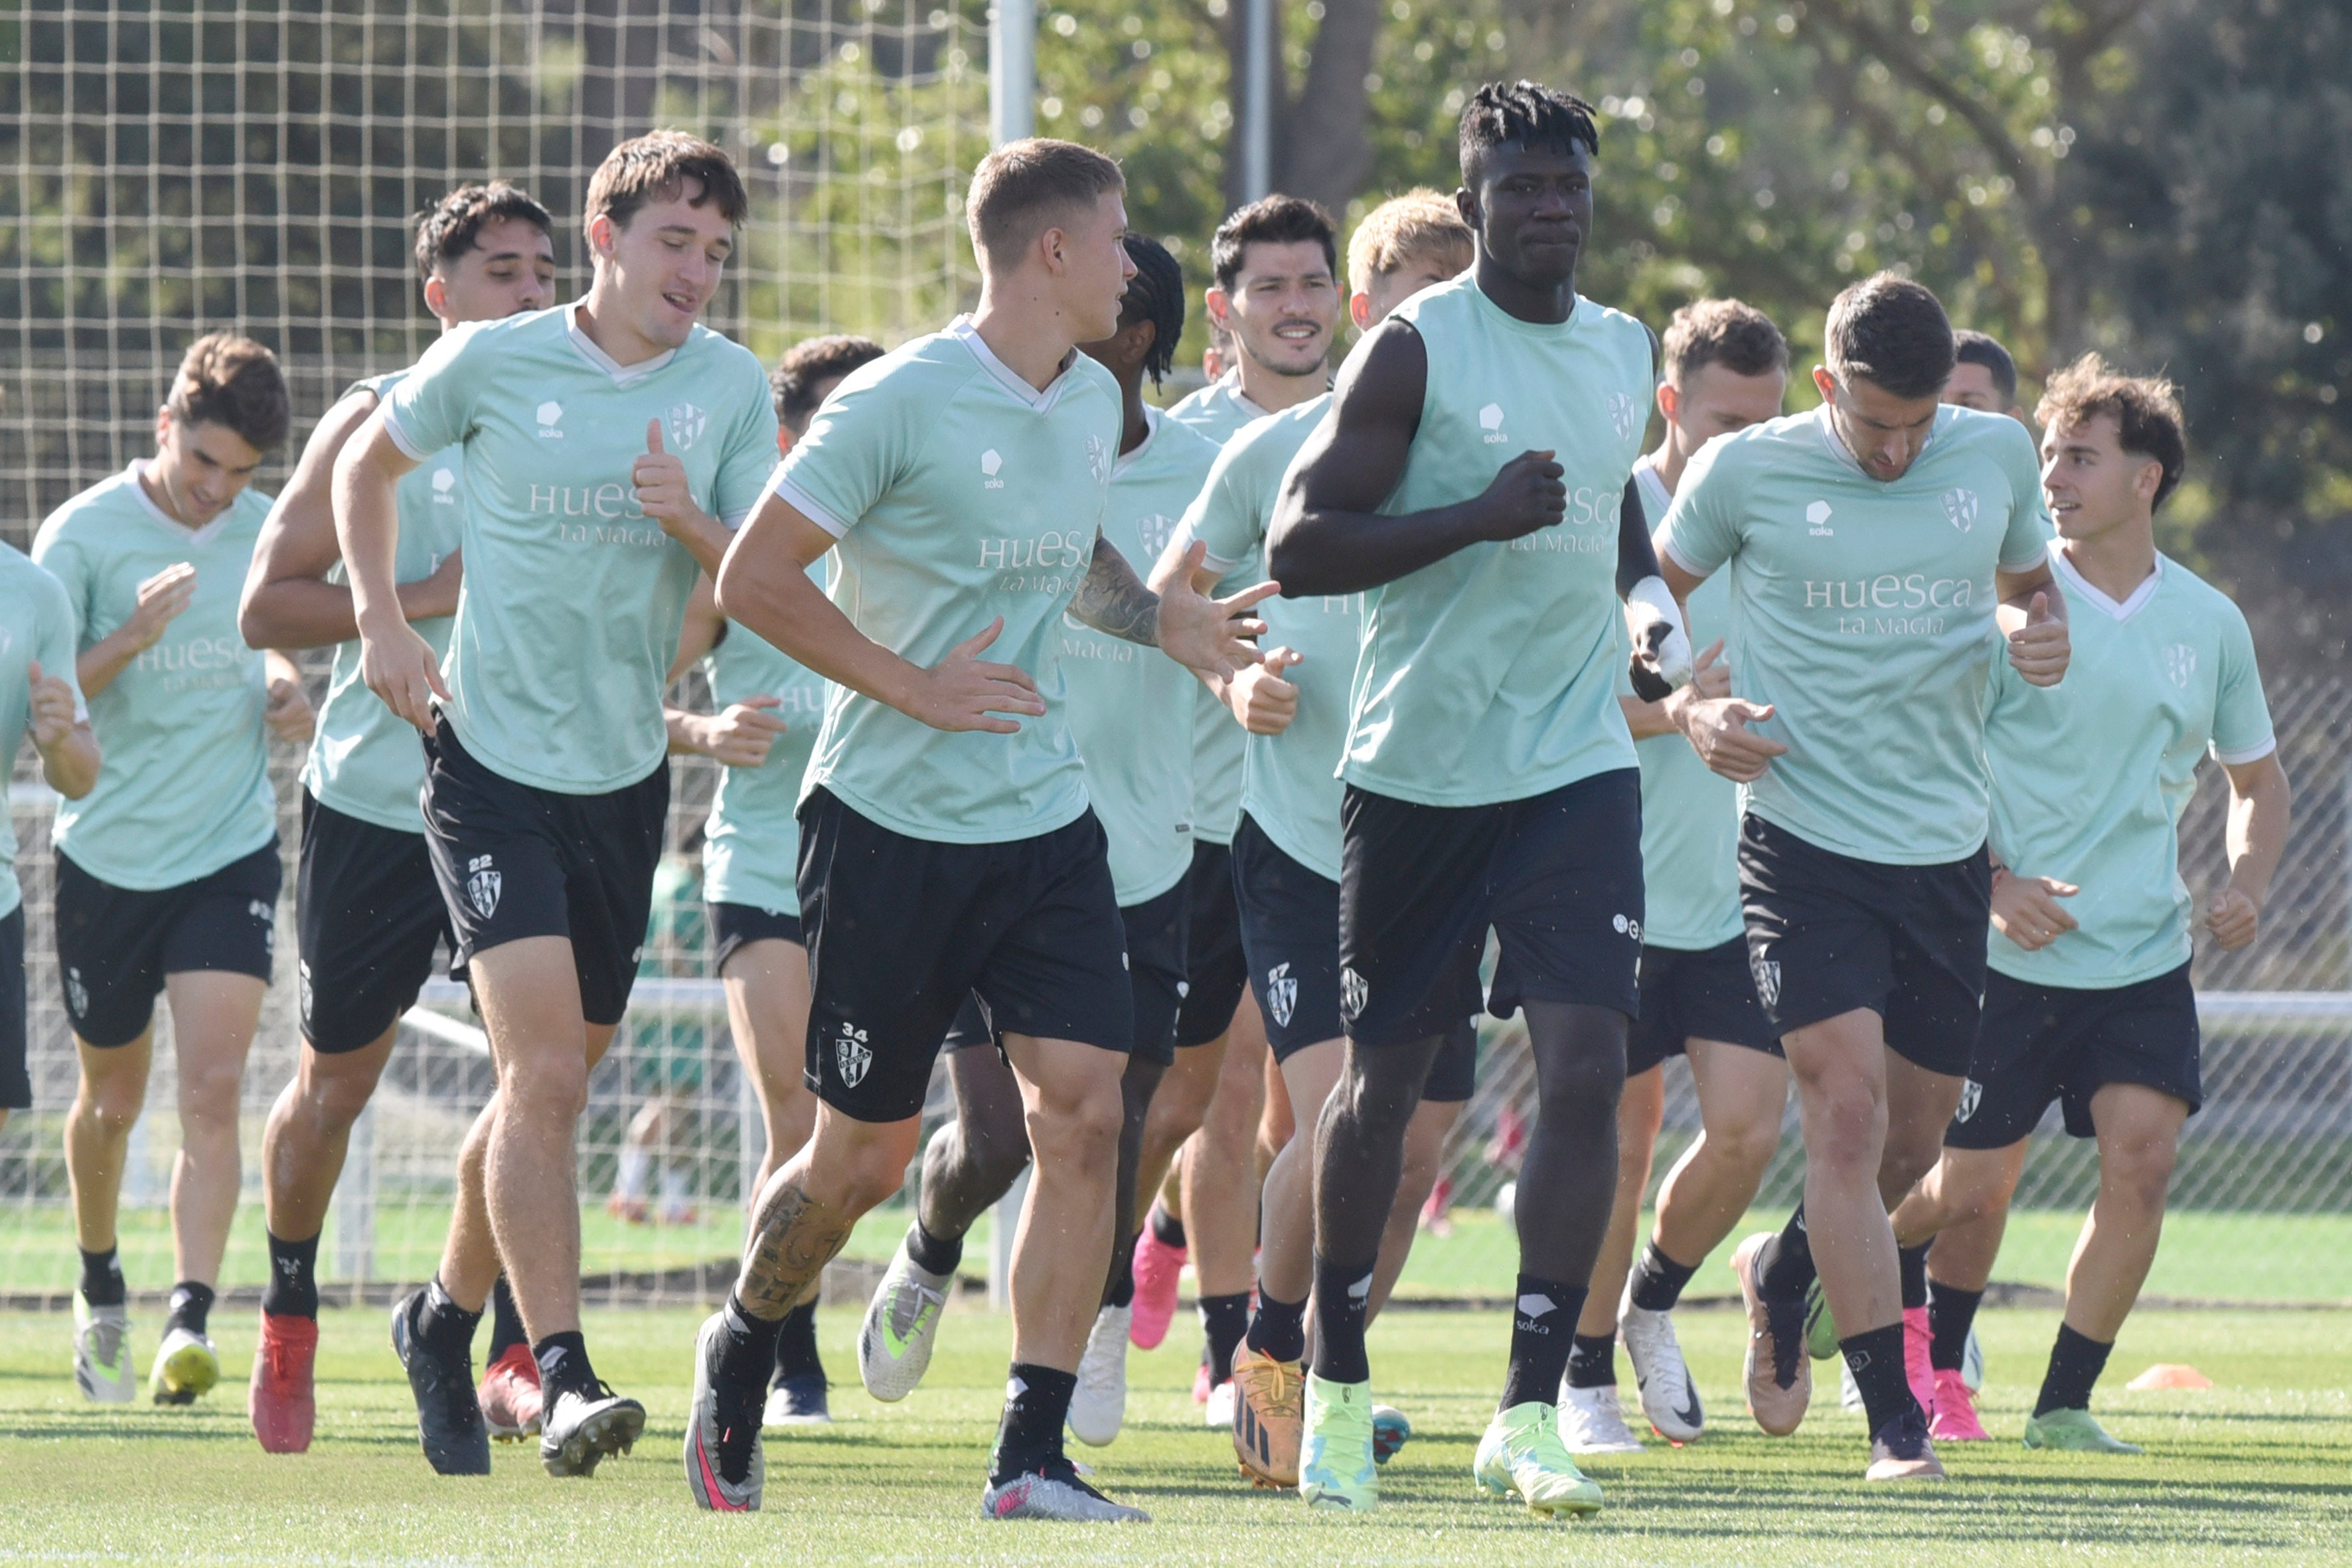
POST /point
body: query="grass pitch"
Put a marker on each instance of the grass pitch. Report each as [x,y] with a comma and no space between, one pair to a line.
[2260,1467]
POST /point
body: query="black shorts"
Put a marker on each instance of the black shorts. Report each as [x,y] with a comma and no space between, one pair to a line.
[1707,994]
[1154,932]
[367,914]
[116,944]
[901,930]
[1557,876]
[1215,971]
[1828,935]
[733,925]
[16,1078]
[514,861]
[2041,1043]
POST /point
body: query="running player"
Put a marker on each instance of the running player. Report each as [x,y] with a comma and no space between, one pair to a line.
[1123,705]
[948,847]
[168,870]
[1274,295]
[1984,376]
[1873,545]
[2088,1002]
[547,781]
[1726,368]
[367,912]
[766,727]
[1491,781]
[1286,861]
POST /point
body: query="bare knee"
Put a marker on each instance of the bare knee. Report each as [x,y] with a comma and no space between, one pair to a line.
[2138,1173]
[110,1102]
[208,1092]
[335,1095]
[1845,1127]
[1746,1144]
[546,1087]
[1078,1128]
[984,1148]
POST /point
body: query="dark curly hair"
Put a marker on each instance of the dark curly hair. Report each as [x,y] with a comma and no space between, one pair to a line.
[1155,294]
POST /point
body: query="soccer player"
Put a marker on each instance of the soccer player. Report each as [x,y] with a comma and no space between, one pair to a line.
[1491,782]
[1984,376]
[167,869]
[2088,1001]
[1285,859]
[1873,545]
[1725,368]
[367,911]
[608,445]
[770,709]
[947,843]
[1123,706]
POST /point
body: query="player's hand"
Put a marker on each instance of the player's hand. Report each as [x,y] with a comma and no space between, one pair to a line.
[161,599]
[1530,493]
[399,667]
[2235,918]
[2026,909]
[51,717]
[433,596]
[1718,730]
[662,491]
[1213,636]
[2039,648]
[962,692]
[1265,702]
[1710,676]
[288,712]
[741,733]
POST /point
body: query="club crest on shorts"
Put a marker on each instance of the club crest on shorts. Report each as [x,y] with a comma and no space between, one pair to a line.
[2180,664]
[483,884]
[1354,993]
[1768,980]
[77,994]
[1960,509]
[303,983]
[851,1056]
[1971,1096]
[1281,993]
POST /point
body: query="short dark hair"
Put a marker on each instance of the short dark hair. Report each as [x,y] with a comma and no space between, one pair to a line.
[1155,294]
[452,226]
[1893,332]
[810,361]
[224,379]
[2147,410]
[1972,347]
[1729,332]
[655,167]
[1023,187]
[1277,219]
[1526,112]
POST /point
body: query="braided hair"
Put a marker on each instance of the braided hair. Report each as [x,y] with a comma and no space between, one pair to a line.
[1155,294]
[1528,113]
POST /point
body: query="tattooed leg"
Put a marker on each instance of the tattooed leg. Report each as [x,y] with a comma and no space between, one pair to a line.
[806,1211]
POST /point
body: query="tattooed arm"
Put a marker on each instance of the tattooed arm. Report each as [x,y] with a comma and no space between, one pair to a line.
[1114,601]
[1205,634]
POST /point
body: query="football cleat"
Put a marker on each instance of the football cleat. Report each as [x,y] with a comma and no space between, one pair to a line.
[1901,1451]
[578,1430]
[1098,1404]
[725,1470]
[1156,1267]
[1335,1468]
[1593,1422]
[2074,1432]
[102,1364]
[1780,1380]
[509,1394]
[186,1367]
[1522,1455]
[902,1323]
[281,1399]
[1955,1420]
[450,1425]
[1669,1398]
[799,1401]
[1055,1492]
[1269,1411]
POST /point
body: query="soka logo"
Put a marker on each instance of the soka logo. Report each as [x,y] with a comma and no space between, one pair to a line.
[1768,980]
[549,414]
[2181,663]
[1620,414]
[989,464]
[483,884]
[851,1056]
[1971,1096]
[1281,993]
[444,481]
[1490,420]
[684,425]
[1960,509]
[1817,520]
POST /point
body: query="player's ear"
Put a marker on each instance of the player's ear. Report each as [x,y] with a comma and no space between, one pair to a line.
[1214,301]
[1825,383]
[603,235]
[1360,310]
[1670,399]
[436,296]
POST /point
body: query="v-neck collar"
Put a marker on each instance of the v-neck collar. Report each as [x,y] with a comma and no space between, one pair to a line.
[622,374]
[1654,488]
[963,330]
[1126,461]
[2118,612]
[162,518]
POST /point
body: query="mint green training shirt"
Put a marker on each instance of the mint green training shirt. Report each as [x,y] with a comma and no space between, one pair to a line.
[2090,776]
[186,786]
[1290,786]
[1863,611]
[752,845]
[1491,675]
[569,615]
[37,626]
[958,493]
[365,760]
[1131,706]
[1690,813]
[1219,411]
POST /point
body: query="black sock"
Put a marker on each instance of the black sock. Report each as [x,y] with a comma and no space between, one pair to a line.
[2075,1363]
[1343,1293]
[796,1346]
[1122,1287]
[563,1366]
[1913,1262]
[506,1321]
[934,1254]
[192,1304]
[1029,1437]
[1166,1228]
[1784,1267]
[1543,1326]
[1225,1318]
[1279,1328]
[1950,1311]
[747,1354]
[1592,1361]
[101,1277]
[1876,1357]
[1658,1280]
[445,1328]
[293,1288]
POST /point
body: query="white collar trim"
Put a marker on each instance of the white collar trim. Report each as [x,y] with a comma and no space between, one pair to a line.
[2130,606]
[157,514]
[1126,461]
[1654,488]
[622,374]
[963,330]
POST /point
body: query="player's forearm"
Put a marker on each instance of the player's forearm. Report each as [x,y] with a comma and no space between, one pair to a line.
[1114,601]
[97,667]
[367,527]
[1313,550]
[70,765]
[1637,558]
[2259,817]
[304,612]
[686,737]
[1647,718]
[705,538]
[774,598]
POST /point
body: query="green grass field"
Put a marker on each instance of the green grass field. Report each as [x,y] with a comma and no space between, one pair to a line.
[2261,1468]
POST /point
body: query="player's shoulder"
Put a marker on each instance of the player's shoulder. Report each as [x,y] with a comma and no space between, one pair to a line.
[1180,446]
[1792,439]
[1199,405]
[250,510]
[1996,436]
[1277,438]
[87,511]
[1440,303]
[2193,597]
[26,581]
[717,354]
[933,365]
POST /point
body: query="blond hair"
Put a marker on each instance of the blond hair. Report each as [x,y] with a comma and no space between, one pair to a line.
[1419,225]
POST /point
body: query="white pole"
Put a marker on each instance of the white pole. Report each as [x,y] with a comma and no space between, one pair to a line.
[1257,99]
[1004,1220]
[1012,71]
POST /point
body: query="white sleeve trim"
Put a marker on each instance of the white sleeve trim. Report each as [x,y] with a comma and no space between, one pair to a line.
[808,506]
[1212,562]
[1666,547]
[2255,753]
[409,448]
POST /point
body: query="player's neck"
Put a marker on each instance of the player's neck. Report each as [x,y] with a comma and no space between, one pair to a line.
[1135,423]
[1027,332]
[1545,304]
[2117,560]
[1668,464]
[1273,391]
[602,322]
[155,492]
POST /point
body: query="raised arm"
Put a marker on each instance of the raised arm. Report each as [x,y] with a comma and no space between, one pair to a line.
[1329,535]
[2033,615]
[396,663]
[61,734]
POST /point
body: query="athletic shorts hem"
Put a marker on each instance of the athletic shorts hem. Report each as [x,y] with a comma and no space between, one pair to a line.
[735,926]
[117,946]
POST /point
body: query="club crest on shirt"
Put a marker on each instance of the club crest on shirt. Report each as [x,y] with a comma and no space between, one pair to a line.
[1971,1096]
[684,424]
[1960,509]
[1154,532]
[1098,457]
[2181,663]
[851,1056]
[1281,993]
[1768,980]
[483,885]
[1620,414]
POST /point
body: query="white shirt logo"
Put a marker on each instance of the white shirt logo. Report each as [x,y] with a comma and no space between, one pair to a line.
[685,424]
[1816,519]
[1961,508]
[851,1056]
[548,414]
[1281,993]
[444,481]
[2181,663]
[989,463]
[1490,420]
[1620,414]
